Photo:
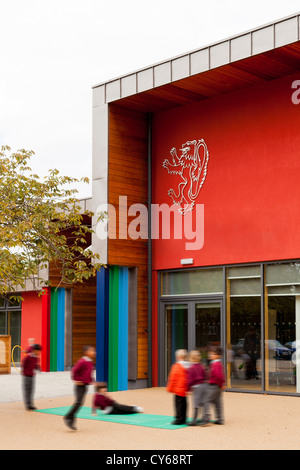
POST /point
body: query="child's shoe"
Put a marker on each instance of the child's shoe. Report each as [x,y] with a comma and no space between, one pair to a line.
[192,423]
[138,409]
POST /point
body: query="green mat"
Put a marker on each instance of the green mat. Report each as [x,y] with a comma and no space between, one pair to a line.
[136,419]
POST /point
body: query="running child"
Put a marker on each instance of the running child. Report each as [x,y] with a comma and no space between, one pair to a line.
[82,375]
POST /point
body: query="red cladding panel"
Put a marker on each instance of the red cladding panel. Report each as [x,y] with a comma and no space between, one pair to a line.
[251,193]
[31,326]
[46,308]
[36,323]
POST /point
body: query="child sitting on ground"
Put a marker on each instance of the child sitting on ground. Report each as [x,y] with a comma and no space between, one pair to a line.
[103,402]
[196,383]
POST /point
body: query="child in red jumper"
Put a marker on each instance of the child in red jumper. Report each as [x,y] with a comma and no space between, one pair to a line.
[103,402]
[216,383]
[82,375]
[196,383]
[30,364]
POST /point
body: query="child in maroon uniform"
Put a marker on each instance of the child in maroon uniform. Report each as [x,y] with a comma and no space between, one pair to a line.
[105,403]
[82,375]
[216,382]
[30,364]
[196,383]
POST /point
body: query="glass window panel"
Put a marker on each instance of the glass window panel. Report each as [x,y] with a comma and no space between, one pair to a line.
[202,281]
[12,303]
[245,287]
[207,320]
[284,290]
[2,302]
[244,348]
[14,325]
[2,323]
[280,344]
[176,332]
[244,271]
[286,273]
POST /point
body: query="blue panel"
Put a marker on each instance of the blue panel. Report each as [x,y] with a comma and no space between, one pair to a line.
[102,325]
[123,330]
[61,330]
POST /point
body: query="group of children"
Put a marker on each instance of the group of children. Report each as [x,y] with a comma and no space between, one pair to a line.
[82,375]
[185,377]
[190,377]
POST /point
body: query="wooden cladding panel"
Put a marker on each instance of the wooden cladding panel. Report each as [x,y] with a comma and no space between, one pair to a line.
[55,266]
[128,176]
[84,316]
[84,301]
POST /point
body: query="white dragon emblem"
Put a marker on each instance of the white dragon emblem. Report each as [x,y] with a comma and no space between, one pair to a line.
[191,166]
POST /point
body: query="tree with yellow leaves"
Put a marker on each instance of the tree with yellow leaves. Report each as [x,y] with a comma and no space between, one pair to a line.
[35,216]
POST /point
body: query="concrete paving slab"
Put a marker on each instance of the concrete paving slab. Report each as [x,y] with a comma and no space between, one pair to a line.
[47,384]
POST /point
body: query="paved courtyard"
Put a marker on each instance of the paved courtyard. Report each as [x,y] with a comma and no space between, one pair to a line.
[254,422]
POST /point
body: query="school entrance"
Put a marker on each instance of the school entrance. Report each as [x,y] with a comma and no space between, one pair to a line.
[188,324]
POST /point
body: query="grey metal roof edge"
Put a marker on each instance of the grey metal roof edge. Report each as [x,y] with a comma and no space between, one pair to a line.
[267,41]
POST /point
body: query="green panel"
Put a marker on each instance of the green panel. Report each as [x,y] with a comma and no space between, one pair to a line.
[53,330]
[135,419]
[113,328]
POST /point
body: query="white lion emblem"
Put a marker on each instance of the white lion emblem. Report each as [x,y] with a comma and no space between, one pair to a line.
[191,166]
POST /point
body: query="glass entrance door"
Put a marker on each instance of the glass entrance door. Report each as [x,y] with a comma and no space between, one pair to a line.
[207,326]
[188,325]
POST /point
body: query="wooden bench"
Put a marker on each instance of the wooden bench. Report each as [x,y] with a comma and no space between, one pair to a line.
[5,354]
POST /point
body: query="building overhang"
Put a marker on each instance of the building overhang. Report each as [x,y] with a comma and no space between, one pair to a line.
[262,54]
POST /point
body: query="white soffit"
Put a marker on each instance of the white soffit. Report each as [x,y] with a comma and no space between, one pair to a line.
[247,44]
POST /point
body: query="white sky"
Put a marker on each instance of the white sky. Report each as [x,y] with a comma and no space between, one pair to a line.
[53,52]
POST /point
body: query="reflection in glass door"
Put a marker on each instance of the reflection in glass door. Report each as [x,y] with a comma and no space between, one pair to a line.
[207,326]
[188,325]
[176,332]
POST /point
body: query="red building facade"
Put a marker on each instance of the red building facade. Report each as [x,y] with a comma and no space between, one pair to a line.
[250,195]
[220,160]
[196,160]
